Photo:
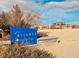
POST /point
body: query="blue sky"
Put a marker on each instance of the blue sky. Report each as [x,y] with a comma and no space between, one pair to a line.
[51,10]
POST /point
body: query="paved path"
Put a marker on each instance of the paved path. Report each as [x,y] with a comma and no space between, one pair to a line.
[5,42]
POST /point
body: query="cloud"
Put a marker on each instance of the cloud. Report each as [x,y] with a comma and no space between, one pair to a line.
[5,5]
[68,5]
[66,11]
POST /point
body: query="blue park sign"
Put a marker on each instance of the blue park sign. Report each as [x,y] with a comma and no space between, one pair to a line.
[23,36]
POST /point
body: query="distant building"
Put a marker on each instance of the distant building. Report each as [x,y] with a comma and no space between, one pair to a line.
[38,27]
[61,25]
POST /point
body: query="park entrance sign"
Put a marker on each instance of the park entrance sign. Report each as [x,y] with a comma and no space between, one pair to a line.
[23,36]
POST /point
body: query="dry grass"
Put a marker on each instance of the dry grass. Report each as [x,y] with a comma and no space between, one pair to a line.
[17,51]
[42,34]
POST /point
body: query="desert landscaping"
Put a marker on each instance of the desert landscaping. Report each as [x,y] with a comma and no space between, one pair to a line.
[55,40]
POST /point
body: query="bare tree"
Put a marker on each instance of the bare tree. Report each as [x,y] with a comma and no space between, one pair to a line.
[23,19]
[17,17]
[4,19]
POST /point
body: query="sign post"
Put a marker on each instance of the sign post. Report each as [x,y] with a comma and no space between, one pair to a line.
[23,36]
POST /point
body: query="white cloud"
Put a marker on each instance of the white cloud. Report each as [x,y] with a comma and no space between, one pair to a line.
[52,11]
[68,5]
[5,5]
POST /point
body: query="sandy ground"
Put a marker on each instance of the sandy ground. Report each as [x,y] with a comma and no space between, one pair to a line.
[68,46]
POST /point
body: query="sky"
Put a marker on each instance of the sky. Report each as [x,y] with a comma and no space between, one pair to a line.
[51,11]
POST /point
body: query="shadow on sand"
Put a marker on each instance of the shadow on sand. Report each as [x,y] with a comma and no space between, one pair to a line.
[52,39]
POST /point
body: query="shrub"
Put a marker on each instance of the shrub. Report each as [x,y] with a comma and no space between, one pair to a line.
[2,51]
[42,34]
[17,51]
